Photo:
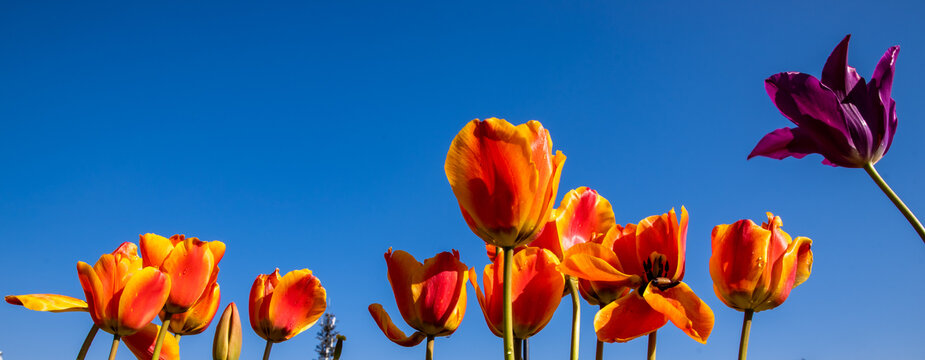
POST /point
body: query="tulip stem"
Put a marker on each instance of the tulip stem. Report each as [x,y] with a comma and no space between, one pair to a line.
[599,352]
[746,328]
[156,354]
[266,350]
[916,224]
[508,307]
[576,315]
[89,340]
[526,352]
[652,337]
[518,349]
[115,347]
[178,337]
[430,348]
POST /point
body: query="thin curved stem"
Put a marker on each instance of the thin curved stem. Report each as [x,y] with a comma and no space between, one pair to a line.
[115,347]
[746,328]
[89,340]
[508,307]
[156,354]
[916,224]
[576,315]
[266,350]
[430,348]
[652,338]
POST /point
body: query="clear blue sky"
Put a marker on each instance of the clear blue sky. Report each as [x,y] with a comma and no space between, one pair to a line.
[314,136]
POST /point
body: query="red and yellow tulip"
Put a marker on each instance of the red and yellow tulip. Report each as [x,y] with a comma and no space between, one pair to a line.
[122,296]
[755,267]
[197,318]
[191,264]
[537,288]
[142,344]
[283,307]
[430,296]
[505,179]
[648,258]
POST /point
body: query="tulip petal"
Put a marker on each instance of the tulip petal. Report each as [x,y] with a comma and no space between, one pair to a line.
[836,74]
[785,273]
[154,249]
[259,301]
[142,299]
[784,142]
[537,290]
[436,289]
[48,302]
[391,331]
[142,344]
[627,318]
[583,216]
[804,260]
[685,310]
[96,296]
[197,318]
[401,269]
[740,258]
[664,235]
[881,84]
[594,262]
[548,239]
[296,304]
[491,318]
[189,267]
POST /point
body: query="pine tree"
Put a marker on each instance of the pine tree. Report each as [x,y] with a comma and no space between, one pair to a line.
[327,336]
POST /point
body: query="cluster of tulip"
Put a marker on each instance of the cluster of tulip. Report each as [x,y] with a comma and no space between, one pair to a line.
[506,177]
[506,180]
[176,279]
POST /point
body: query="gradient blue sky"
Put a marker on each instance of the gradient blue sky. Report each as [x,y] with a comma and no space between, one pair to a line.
[313,135]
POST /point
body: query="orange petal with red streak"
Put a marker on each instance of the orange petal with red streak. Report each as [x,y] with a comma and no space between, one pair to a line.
[685,310]
[295,305]
[391,331]
[591,261]
[627,318]
[189,267]
[197,318]
[142,344]
[142,299]
[154,249]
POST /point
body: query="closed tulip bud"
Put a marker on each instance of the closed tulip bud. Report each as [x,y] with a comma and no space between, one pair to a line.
[227,343]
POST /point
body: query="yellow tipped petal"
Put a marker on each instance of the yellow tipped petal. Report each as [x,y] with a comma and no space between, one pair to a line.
[391,331]
[48,302]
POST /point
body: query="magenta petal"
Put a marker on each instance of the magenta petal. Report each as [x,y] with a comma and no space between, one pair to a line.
[805,101]
[836,74]
[782,143]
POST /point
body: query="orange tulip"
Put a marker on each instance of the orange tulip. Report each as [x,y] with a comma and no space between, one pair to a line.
[283,307]
[430,296]
[648,257]
[122,296]
[537,290]
[142,344]
[197,318]
[505,179]
[755,267]
[191,264]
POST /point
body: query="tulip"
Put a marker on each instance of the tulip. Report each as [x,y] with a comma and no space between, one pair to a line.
[848,121]
[538,287]
[192,266]
[505,179]
[755,267]
[431,297]
[283,307]
[651,261]
[227,343]
[197,318]
[143,342]
[122,296]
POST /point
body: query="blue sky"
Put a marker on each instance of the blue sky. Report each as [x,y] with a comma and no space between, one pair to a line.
[313,135]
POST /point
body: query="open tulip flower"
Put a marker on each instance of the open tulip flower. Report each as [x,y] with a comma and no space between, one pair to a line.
[431,297]
[505,179]
[755,267]
[283,307]
[197,318]
[191,264]
[650,260]
[847,120]
[537,287]
[143,342]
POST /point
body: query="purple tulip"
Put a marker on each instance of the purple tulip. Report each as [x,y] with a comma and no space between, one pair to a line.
[848,121]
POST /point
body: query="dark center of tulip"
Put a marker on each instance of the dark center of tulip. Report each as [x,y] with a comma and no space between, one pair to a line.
[657,272]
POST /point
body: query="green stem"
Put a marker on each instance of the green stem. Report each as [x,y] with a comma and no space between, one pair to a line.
[177,336]
[518,349]
[652,337]
[576,316]
[89,340]
[266,350]
[430,348]
[160,337]
[115,347]
[508,307]
[916,224]
[746,328]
